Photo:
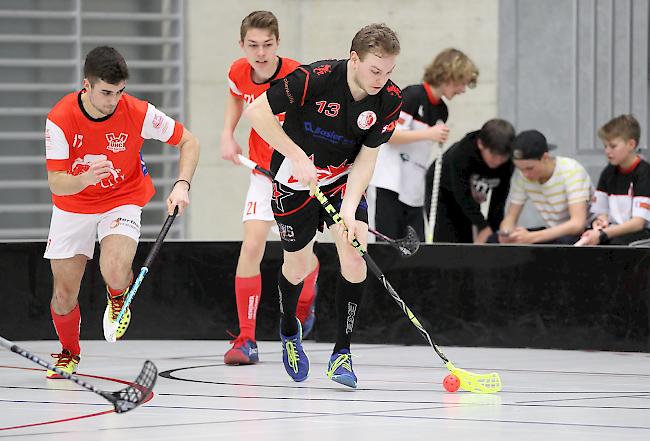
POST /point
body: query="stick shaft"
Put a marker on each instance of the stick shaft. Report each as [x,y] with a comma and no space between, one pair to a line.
[147,263]
[336,217]
[28,355]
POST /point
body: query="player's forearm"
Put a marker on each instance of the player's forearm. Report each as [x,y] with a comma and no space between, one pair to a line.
[631,226]
[232,116]
[267,126]
[359,177]
[64,184]
[189,156]
[572,227]
[407,136]
[509,221]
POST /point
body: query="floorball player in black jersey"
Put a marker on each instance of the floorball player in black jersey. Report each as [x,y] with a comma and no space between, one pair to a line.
[337,113]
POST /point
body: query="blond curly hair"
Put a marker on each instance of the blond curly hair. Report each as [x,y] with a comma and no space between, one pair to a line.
[451,66]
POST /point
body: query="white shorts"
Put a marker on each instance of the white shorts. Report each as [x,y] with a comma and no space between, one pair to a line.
[258,199]
[75,233]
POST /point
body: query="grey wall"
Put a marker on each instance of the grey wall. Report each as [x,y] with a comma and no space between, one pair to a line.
[568,66]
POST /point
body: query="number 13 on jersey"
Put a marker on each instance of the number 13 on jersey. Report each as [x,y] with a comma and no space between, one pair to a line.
[329,109]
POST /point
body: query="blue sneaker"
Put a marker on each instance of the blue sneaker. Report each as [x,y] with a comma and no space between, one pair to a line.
[340,368]
[243,351]
[294,358]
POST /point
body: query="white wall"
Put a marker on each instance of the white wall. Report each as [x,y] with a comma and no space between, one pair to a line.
[311,30]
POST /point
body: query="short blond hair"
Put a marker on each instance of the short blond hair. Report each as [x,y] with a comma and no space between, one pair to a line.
[260,20]
[377,39]
[451,66]
[625,127]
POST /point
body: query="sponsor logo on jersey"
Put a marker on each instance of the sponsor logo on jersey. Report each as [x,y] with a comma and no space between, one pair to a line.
[157,121]
[78,141]
[394,90]
[366,119]
[389,127]
[287,91]
[326,174]
[279,193]
[287,234]
[116,143]
[82,165]
[326,68]
[327,135]
[643,205]
[126,222]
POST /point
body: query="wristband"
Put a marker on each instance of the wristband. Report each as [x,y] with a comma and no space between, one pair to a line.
[183,180]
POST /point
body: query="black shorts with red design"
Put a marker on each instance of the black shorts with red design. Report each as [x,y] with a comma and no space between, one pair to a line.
[300,215]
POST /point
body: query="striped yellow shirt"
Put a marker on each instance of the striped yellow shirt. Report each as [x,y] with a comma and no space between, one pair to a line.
[569,184]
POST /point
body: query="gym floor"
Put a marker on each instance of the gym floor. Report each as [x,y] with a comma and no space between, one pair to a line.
[547,395]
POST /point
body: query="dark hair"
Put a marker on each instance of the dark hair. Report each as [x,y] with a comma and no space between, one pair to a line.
[106,64]
[259,20]
[497,135]
[625,127]
[376,38]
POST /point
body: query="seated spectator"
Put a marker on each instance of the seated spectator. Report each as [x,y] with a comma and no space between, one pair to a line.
[472,168]
[559,188]
[622,199]
[402,163]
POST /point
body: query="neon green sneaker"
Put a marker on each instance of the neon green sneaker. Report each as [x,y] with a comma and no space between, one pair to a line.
[113,308]
[66,362]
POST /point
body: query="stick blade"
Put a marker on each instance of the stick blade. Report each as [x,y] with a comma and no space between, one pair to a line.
[410,244]
[476,383]
[110,331]
[137,392]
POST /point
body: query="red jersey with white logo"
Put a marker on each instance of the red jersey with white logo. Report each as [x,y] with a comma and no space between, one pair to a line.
[240,80]
[73,140]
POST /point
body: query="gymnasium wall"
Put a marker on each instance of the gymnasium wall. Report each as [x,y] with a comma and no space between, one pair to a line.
[499,296]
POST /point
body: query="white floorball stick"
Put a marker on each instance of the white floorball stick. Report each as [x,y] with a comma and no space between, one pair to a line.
[435,189]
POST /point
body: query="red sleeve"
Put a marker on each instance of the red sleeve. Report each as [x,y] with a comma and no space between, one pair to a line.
[177,135]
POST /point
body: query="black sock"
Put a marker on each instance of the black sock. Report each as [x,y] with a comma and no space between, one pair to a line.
[348,299]
[289,294]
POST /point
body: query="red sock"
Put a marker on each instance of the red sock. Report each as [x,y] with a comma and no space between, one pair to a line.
[67,328]
[307,294]
[248,291]
[118,292]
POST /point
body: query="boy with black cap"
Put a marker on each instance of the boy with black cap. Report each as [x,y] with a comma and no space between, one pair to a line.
[559,188]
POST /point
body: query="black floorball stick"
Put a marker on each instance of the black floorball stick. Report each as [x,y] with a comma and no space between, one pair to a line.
[123,400]
[407,246]
[110,327]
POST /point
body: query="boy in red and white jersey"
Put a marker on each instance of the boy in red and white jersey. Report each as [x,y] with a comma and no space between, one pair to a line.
[248,78]
[99,185]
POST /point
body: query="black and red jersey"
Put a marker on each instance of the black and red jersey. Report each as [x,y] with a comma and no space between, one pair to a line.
[623,194]
[422,107]
[323,118]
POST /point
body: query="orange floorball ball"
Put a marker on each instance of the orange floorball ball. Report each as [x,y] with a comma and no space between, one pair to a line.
[451,383]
